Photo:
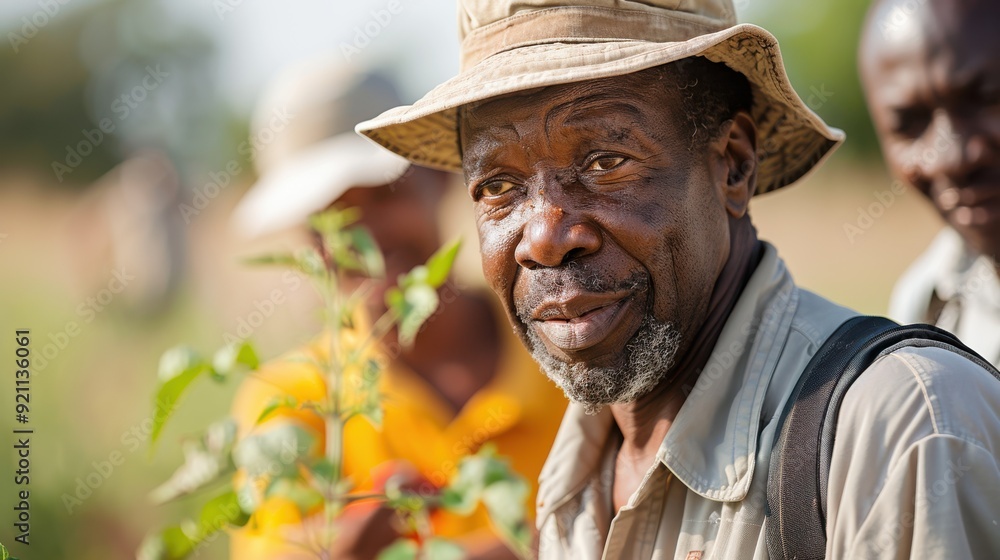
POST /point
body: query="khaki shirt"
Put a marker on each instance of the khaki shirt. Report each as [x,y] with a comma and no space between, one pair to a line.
[913,474]
[954,288]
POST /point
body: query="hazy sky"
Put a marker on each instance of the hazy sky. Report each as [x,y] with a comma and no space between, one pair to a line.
[258,38]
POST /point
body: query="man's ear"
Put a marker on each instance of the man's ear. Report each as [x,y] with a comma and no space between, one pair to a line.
[737,163]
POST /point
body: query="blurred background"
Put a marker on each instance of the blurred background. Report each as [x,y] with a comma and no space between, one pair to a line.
[124,145]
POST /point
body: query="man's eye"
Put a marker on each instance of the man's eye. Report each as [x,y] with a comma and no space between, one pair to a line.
[496,188]
[605,163]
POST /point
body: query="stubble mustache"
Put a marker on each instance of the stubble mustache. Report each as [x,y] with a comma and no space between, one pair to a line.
[647,356]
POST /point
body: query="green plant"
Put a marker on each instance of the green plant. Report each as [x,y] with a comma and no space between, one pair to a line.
[4,555]
[277,460]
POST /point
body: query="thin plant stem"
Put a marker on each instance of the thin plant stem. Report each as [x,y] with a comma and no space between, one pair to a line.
[333,421]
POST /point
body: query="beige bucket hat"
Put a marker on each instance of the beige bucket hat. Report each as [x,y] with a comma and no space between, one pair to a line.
[305,148]
[516,45]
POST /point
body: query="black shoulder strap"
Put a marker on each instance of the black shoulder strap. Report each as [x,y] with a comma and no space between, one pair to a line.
[800,458]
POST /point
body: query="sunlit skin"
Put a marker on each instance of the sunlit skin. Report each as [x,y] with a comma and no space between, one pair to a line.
[931,72]
[600,175]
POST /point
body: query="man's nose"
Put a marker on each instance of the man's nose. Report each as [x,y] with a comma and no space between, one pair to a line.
[553,236]
[954,150]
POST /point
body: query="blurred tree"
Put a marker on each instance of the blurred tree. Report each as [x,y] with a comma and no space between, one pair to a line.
[131,67]
[42,106]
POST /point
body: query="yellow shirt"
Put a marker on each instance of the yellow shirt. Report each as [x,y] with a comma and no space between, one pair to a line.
[519,411]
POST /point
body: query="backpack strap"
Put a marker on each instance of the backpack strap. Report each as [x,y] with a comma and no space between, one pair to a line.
[801,456]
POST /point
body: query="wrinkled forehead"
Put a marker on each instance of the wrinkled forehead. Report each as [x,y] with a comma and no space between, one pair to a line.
[624,102]
[645,85]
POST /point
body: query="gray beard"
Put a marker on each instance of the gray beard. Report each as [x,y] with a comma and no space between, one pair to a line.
[648,357]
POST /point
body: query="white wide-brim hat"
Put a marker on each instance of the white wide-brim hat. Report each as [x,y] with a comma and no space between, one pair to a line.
[312,180]
[305,148]
[512,45]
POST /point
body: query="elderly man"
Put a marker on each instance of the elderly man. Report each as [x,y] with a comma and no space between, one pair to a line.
[611,150]
[931,76]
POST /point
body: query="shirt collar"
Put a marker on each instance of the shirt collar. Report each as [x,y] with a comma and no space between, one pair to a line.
[712,444]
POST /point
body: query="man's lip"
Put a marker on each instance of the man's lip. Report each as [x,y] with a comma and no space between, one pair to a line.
[583,330]
[575,305]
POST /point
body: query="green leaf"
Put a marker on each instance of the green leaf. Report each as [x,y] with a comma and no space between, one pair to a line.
[505,501]
[415,299]
[441,549]
[332,221]
[323,478]
[420,302]
[301,494]
[323,470]
[248,497]
[402,549]
[475,473]
[311,263]
[340,248]
[169,544]
[307,260]
[205,461]
[277,259]
[371,407]
[233,357]
[178,368]
[417,276]
[370,256]
[281,401]
[459,500]
[178,361]
[274,452]
[220,512]
[487,478]
[440,263]
[394,299]
[4,555]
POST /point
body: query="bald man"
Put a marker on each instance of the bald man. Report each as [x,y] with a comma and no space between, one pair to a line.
[931,73]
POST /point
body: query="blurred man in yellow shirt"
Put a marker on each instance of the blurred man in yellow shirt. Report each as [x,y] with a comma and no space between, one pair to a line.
[466,381]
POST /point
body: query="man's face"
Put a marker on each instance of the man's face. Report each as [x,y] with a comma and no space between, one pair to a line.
[599,227]
[932,80]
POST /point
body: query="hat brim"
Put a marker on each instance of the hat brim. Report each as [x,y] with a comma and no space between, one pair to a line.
[311,181]
[791,138]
